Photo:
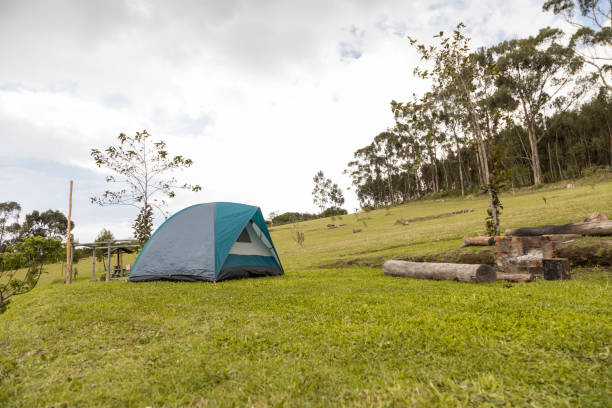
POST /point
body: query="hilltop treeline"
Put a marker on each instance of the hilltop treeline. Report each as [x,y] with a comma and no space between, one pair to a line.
[525,110]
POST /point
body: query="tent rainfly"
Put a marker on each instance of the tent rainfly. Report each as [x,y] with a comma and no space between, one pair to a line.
[209,242]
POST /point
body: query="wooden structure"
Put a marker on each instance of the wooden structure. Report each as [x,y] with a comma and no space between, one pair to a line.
[115,246]
[525,258]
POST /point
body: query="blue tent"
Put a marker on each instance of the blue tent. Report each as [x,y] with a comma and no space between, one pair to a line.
[209,242]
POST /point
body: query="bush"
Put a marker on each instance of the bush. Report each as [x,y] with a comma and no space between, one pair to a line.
[30,254]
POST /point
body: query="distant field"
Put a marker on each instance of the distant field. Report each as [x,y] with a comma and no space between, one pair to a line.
[325,337]
[381,238]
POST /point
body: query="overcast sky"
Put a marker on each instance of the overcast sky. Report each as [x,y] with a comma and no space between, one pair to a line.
[260,94]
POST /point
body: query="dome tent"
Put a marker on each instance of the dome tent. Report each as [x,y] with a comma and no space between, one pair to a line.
[209,242]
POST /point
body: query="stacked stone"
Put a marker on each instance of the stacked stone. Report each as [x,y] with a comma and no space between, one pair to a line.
[526,258]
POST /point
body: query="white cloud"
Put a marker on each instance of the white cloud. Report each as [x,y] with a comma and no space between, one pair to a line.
[260,94]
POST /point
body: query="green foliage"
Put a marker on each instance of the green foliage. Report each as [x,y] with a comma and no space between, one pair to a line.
[143,226]
[325,191]
[45,224]
[143,168]
[496,184]
[9,211]
[592,40]
[291,217]
[533,72]
[103,236]
[334,212]
[31,254]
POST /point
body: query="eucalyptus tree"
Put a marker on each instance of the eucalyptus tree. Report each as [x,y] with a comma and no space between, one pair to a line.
[451,64]
[408,131]
[50,223]
[592,40]
[326,191]
[9,217]
[534,72]
[143,171]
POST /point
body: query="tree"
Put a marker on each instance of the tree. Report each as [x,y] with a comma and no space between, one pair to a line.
[46,224]
[103,236]
[592,40]
[325,191]
[455,68]
[336,197]
[533,72]
[32,254]
[9,210]
[320,192]
[143,169]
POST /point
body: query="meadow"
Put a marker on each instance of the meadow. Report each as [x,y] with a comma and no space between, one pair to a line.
[321,336]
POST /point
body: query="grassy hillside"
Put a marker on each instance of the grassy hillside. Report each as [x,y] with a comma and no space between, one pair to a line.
[325,337]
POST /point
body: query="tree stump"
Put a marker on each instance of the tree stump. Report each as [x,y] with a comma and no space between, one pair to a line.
[556,268]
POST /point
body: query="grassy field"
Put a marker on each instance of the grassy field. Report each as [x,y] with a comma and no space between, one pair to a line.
[325,337]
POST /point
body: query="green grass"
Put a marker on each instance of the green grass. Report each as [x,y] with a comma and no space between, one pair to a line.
[324,337]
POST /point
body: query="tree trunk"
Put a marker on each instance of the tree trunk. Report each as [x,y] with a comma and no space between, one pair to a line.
[460,166]
[434,170]
[597,228]
[478,241]
[535,157]
[515,277]
[561,176]
[440,271]
[550,162]
[390,184]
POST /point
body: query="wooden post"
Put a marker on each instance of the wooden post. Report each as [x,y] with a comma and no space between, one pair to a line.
[68,276]
[93,264]
[71,257]
[109,262]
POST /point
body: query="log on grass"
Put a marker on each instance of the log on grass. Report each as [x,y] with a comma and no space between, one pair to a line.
[440,271]
[597,228]
[515,277]
[478,241]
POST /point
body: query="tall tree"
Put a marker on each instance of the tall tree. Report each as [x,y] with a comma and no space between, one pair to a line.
[534,71]
[9,211]
[143,168]
[592,40]
[325,191]
[103,236]
[49,223]
[455,67]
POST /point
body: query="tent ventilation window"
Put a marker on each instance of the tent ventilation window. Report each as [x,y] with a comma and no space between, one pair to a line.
[244,237]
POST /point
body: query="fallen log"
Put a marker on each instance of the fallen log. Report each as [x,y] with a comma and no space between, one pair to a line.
[478,241]
[440,271]
[515,277]
[596,228]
